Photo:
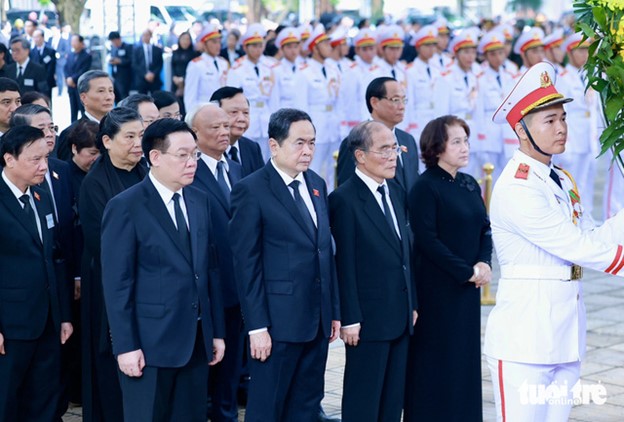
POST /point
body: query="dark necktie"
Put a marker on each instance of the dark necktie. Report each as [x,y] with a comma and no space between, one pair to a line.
[393,73]
[185,238]
[20,72]
[324,72]
[234,154]
[257,71]
[441,62]
[339,67]
[305,213]
[294,68]
[216,64]
[386,209]
[498,79]
[30,213]
[555,177]
[466,80]
[221,181]
[429,72]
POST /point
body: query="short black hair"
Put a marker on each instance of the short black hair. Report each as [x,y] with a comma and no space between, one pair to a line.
[110,125]
[271,50]
[22,116]
[25,43]
[163,99]
[156,136]
[84,134]
[376,89]
[114,35]
[3,49]
[282,119]
[225,93]
[434,137]
[132,101]
[361,136]
[7,84]
[32,96]
[80,37]
[16,139]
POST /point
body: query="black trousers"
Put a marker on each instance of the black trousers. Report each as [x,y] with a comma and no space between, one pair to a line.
[30,377]
[168,394]
[75,104]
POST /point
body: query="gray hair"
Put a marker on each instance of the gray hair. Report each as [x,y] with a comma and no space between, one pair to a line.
[190,116]
[25,43]
[22,116]
[361,136]
[84,81]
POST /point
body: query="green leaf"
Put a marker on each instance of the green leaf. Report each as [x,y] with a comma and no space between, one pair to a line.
[600,16]
[586,29]
[613,107]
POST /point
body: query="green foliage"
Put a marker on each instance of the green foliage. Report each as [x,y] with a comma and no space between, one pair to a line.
[602,21]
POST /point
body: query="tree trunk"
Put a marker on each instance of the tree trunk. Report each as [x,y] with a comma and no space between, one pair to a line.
[69,12]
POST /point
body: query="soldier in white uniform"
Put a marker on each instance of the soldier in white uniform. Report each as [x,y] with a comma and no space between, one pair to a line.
[494,84]
[318,86]
[340,49]
[206,73]
[530,47]
[305,30]
[442,58]
[390,43]
[355,81]
[583,144]
[258,83]
[508,31]
[535,335]
[288,41]
[455,91]
[553,51]
[422,75]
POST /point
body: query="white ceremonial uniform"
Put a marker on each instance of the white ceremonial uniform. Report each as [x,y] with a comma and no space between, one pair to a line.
[317,94]
[442,61]
[582,147]
[204,75]
[285,75]
[398,72]
[259,90]
[455,92]
[353,86]
[494,143]
[511,67]
[536,331]
[421,106]
[613,195]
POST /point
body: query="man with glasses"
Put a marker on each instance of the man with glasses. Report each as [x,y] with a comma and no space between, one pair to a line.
[160,283]
[144,105]
[368,217]
[167,105]
[386,101]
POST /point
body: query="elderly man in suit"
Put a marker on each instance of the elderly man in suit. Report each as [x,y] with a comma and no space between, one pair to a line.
[147,63]
[160,283]
[29,75]
[216,175]
[284,269]
[385,100]
[34,306]
[377,293]
[243,150]
[45,56]
[78,63]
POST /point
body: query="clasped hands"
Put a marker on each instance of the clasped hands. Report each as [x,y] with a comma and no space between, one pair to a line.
[482,274]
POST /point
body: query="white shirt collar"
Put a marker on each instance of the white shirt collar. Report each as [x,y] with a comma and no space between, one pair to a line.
[18,193]
[287,179]
[23,64]
[91,117]
[212,163]
[165,193]
[370,182]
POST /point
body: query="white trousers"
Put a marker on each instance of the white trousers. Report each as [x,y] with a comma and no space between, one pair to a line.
[323,162]
[525,392]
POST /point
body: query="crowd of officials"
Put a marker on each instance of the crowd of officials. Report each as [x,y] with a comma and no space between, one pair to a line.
[168,242]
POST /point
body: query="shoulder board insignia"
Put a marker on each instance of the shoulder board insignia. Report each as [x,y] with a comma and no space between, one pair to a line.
[303,66]
[353,65]
[373,67]
[446,72]
[197,59]
[522,172]
[478,75]
[565,72]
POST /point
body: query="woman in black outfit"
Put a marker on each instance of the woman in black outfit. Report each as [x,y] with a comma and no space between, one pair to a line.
[453,242]
[179,60]
[117,169]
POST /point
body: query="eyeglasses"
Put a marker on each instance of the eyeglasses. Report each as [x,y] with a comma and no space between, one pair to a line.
[51,128]
[184,157]
[387,152]
[396,100]
[177,116]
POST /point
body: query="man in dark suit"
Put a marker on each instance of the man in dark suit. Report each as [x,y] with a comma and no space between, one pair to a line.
[10,100]
[61,43]
[78,63]
[34,307]
[147,63]
[121,61]
[46,57]
[216,174]
[160,283]
[385,99]
[29,75]
[284,268]
[377,293]
[242,150]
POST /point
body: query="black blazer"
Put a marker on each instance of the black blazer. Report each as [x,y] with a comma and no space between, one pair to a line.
[48,61]
[139,68]
[153,291]
[29,290]
[251,155]
[122,72]
[286,279]
[375,281]
[238,54]
[406,173]
[220,212]
[34,77]
[77,64]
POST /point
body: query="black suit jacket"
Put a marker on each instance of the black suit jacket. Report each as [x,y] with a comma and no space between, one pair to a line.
[153,291]
[29,290]
[77,64]
[221,214]
[122,72]
[251,156]
[34,78]
[139,68]
[286,279]
[48,61]
[375,281]
[407,171]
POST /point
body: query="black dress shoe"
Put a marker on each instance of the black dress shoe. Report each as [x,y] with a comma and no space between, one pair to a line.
[322,417]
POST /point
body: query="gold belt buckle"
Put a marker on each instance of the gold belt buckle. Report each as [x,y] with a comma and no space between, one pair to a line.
[587,114]
[259,104]
[576,272]
[329,107]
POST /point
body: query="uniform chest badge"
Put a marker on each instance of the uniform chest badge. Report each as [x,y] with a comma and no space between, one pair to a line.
[522,172]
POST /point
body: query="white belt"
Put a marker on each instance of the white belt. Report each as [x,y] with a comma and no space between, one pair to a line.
[542,272]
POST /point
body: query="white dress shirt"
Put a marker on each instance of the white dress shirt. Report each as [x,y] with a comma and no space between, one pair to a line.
[18,193]
[212,166]
[373,186]
[166,195]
